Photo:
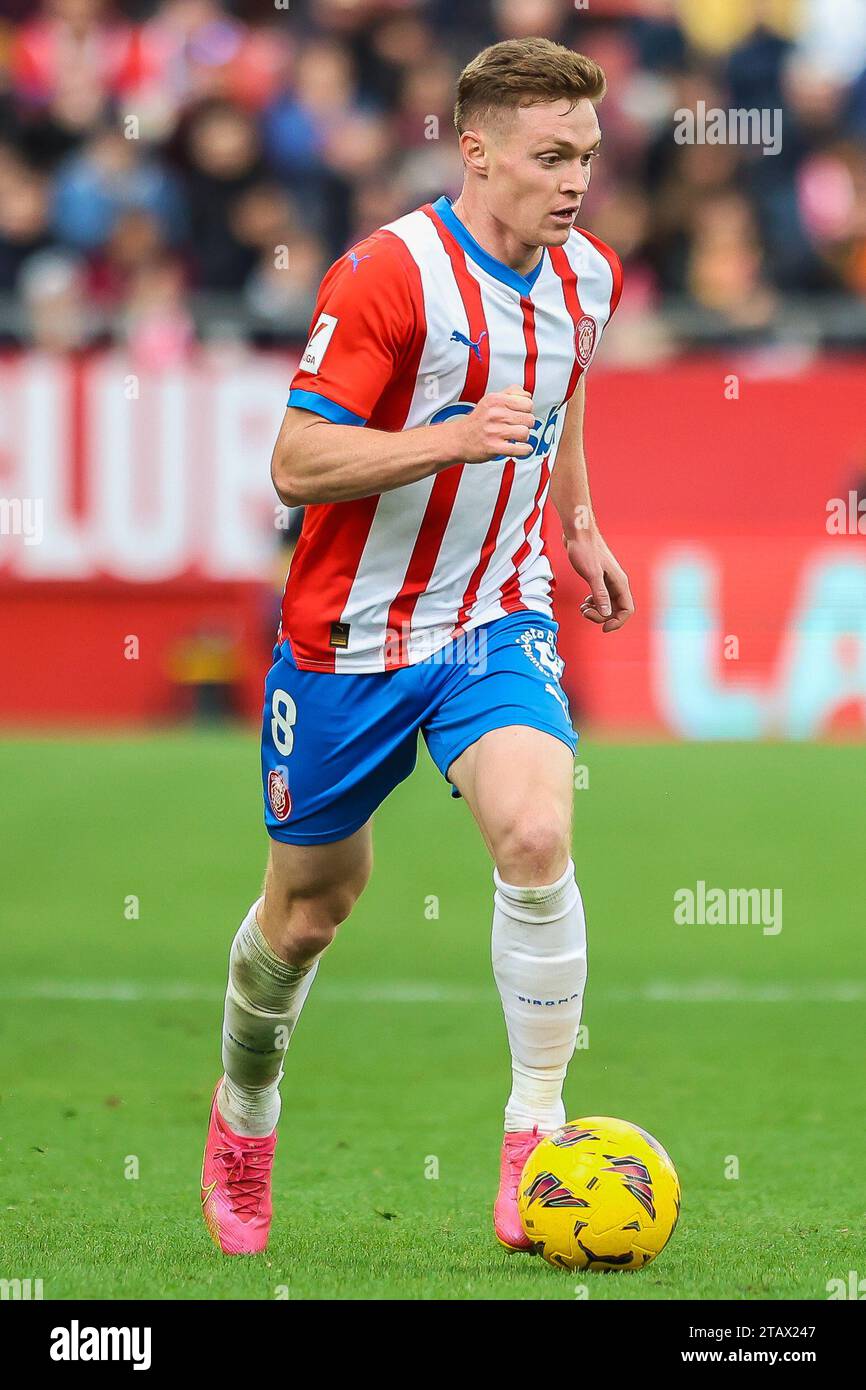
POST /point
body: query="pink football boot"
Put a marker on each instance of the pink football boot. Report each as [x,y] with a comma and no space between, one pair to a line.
[516,1148]
[236,1186]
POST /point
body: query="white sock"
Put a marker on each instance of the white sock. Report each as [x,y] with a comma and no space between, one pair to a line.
[539,962]
[264,999]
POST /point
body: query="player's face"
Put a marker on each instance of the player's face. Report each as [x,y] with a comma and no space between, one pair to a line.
[539,161]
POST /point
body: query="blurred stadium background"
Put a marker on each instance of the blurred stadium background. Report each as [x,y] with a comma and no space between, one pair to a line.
[176,175]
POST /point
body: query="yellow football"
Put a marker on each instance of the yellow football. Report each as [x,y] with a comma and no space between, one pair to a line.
[599,1194]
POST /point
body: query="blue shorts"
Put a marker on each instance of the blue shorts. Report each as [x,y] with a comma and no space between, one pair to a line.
[334,746]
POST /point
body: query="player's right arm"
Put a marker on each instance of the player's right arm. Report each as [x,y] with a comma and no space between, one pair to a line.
[366,337]
[317,461]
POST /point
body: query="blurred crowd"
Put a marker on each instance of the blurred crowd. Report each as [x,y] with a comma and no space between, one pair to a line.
[179,170]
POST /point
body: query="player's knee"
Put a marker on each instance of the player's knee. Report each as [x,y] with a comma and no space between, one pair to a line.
[336,905]
[300,929]
[301,925]
[305,940]
[534,850]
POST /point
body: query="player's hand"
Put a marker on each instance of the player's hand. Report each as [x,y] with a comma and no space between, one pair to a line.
[609,603]
[500,424]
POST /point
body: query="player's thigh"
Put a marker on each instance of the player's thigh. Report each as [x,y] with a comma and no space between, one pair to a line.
[518,784]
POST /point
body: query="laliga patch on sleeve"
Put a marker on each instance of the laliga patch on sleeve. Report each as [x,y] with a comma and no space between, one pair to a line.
[314,352]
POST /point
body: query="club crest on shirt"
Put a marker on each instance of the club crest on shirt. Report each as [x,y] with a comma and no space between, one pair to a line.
[279,796]
[584,339]
[538,646]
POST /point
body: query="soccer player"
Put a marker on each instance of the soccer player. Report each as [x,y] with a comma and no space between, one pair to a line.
[443,377]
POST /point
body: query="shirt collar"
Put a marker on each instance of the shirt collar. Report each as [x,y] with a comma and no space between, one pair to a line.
[522,283]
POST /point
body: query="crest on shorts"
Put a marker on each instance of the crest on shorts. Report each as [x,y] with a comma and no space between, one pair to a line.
[279,796]
[584,339]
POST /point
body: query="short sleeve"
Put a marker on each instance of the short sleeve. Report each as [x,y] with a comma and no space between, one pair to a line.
[364,324]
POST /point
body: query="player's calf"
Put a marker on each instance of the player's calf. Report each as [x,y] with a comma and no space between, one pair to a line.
[308,892]
[264,999]
[539,961]
[272,965]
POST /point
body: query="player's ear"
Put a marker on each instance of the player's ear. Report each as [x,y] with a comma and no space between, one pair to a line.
[473,147]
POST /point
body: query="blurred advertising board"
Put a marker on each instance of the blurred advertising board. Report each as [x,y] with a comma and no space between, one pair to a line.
[140,543]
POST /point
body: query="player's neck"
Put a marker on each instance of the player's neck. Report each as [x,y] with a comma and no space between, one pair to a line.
[496,239]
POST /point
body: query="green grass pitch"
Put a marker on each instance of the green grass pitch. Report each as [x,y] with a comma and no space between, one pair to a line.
[732,1046]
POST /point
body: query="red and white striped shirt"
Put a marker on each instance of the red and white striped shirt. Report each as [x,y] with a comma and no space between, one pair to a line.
[417,323]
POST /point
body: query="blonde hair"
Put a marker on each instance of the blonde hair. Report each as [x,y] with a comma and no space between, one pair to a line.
[523,72]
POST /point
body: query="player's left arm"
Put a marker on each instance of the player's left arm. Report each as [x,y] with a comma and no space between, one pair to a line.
[609,601]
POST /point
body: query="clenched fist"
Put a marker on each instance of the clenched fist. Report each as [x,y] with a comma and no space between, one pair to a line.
[500,424]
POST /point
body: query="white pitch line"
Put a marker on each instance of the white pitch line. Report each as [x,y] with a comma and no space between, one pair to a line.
[741,992]
[710,991]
